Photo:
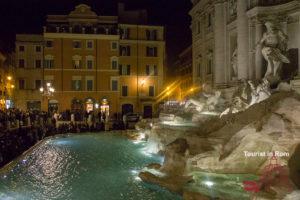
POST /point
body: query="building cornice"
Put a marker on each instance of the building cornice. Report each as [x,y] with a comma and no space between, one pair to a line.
[81,36]
[289,7]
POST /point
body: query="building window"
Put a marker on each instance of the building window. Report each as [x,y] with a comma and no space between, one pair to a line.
[151,51]
[114,46]
[125,70]
[76,85]
[125,33]
[125,50]
[38,49]
[21,84]
[21,48]
[151,34]
[114,85]
[114,63]
[124,90]
[38,84]
[151,70]
[89,62]
[76,44]
[49,43]
[77,64]
[89,85]
[21,63]
[151,91]
[49,61]
[89,44]
[38,64]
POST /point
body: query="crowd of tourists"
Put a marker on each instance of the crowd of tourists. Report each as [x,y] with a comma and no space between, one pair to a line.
[19,130]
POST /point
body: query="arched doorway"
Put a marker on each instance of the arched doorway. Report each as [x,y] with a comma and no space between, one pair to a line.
[127,108]
[89,104]
[104,107]
[52,105]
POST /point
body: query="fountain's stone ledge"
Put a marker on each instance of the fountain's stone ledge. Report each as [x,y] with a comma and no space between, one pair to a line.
[219,144]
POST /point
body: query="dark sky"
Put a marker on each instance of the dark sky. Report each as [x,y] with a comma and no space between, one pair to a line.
[28,16]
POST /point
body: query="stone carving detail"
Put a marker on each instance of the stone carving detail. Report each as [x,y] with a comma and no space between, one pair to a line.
[274,47]
[232,7]
[234,63]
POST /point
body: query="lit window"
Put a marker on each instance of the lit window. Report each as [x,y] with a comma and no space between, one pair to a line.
[125,70]
[76,85]
[151,70]
[77,64]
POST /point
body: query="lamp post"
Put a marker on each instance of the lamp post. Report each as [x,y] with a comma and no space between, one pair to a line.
[47,92]
[6,91]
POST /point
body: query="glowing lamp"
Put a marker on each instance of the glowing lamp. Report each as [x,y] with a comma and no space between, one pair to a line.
[9,78]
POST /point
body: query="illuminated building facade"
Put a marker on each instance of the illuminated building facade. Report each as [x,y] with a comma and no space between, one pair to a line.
[28,71]
[111,63]
[226,32]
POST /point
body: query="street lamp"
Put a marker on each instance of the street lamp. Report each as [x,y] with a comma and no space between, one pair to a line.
[47,91]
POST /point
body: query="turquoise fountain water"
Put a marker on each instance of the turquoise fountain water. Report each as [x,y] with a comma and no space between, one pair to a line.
[81,167]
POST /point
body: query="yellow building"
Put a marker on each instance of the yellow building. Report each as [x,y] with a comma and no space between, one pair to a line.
[111,63]
[28,71]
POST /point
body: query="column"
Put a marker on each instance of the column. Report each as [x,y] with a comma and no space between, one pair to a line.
[258,55]
[242,40]
[298,46]
[219,51]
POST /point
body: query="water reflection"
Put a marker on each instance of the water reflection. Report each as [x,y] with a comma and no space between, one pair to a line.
[81,167]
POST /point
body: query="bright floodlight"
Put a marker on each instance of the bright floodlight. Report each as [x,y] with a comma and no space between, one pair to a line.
[208,183]
[9,78]
[48,84]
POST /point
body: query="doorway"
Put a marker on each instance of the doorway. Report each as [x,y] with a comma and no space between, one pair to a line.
[148,111]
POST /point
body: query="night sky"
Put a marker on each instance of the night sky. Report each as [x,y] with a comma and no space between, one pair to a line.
[28,16]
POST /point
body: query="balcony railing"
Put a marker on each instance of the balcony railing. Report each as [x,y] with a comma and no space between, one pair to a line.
[81,30]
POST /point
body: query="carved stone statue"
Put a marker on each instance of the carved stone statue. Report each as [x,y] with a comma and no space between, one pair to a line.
[209,104]
[234,63]
[274,45]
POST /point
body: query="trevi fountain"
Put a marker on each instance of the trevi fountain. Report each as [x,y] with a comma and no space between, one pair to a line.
[208,147]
